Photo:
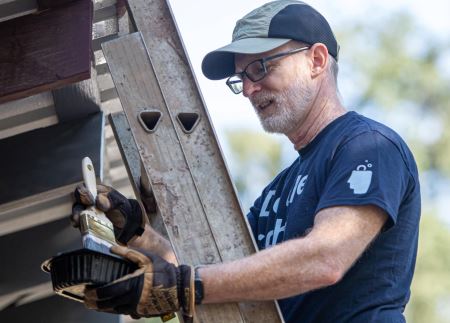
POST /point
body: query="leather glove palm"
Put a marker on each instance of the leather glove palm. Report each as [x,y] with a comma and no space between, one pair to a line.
[126,215]
[156,288]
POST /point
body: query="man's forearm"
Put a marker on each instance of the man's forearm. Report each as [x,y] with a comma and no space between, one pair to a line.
[152,241]
[284,270]
[296,266]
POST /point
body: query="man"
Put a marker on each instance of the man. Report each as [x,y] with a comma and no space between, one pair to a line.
[337,229]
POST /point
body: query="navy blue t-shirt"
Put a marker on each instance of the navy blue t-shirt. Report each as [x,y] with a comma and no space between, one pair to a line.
[353,161]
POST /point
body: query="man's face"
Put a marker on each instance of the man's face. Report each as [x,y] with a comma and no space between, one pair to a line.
[283,98]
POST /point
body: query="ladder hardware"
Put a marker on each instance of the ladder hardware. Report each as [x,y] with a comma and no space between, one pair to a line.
[150,119]
[188,121]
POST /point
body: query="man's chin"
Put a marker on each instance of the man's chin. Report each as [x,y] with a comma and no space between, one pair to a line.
[271,128]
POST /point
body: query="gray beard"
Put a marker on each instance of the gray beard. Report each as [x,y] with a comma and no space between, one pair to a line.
[289,108]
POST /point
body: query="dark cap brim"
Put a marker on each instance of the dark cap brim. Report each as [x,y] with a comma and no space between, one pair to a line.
[219,64]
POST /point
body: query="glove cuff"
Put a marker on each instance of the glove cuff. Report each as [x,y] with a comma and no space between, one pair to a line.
[186,290]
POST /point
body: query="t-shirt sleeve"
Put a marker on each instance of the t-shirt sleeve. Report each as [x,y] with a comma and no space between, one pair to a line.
[367,170]
[253,215]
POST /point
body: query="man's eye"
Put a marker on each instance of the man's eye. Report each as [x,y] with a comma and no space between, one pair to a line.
[270,67]
[260,69]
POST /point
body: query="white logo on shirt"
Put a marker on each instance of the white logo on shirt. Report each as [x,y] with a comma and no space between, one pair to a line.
[265,211]
[360,179]
[272,236]
[297,189]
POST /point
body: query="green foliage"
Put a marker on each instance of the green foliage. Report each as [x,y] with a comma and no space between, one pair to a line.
[250,146]
[258,159]
[431,282]
[402,73]
[401,67]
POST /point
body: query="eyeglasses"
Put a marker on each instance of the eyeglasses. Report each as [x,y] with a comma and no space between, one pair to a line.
[256,70]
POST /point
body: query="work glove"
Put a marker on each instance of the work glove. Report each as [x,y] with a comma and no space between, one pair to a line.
[156,288]
[127,215]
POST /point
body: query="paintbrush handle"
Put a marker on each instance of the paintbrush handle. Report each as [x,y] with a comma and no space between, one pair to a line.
[89,176]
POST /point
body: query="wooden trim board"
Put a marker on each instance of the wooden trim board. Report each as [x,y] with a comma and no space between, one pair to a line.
[48,158]
[44,51]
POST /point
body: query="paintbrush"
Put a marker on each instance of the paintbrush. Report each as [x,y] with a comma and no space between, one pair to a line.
[97,231]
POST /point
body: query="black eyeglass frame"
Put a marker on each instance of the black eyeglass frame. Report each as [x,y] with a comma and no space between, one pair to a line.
[263,61]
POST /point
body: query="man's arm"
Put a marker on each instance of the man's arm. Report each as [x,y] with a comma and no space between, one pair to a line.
[321,258]
[339,237]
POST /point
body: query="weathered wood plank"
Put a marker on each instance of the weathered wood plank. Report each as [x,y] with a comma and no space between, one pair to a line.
[77,100]
[10,9]
[35,245]
[102,69]
[26,105]
[216,190]
[108,94]
[97,42]
[27,114]
[165,164]
[48,4]
[105,13]
[46,50]
[28,121]
[99,4]
[48,158]
[36,210]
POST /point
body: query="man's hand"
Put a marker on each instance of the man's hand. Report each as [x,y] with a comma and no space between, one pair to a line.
[156,288]
[126,215]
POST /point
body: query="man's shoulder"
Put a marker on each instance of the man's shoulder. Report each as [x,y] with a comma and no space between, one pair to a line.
[364,131]
[361,126]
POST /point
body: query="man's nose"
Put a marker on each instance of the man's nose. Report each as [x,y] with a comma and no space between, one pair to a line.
[249,87]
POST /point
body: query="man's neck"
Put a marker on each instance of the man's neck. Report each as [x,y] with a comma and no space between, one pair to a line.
[322,113]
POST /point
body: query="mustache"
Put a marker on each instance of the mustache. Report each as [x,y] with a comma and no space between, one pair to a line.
[261,97]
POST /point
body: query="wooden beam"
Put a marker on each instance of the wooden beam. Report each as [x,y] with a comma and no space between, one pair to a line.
[25,105]
[46,50]
[48,4]
[36,210]
[27,114]
[10,9]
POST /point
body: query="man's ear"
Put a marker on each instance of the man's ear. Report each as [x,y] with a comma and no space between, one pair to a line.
[319,54]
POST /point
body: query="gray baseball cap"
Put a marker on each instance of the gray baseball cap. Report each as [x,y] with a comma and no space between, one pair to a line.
[268,27]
